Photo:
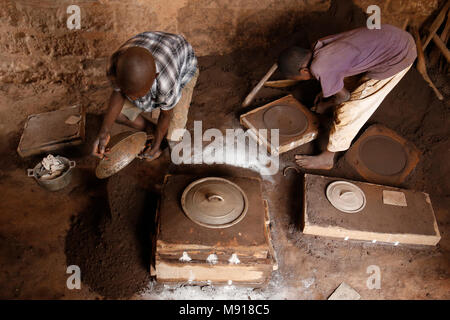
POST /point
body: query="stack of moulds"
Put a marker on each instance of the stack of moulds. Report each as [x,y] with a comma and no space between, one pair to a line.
[185,251]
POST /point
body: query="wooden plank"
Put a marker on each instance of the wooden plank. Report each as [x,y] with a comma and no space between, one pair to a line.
[281,83]
[413,224]
[244,274]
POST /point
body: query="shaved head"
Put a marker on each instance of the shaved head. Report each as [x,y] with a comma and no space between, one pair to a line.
[291,60]
[136,71]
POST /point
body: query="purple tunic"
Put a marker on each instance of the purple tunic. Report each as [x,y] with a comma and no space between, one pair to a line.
[380,52]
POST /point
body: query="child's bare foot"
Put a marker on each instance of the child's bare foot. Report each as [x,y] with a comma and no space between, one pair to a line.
[323,161]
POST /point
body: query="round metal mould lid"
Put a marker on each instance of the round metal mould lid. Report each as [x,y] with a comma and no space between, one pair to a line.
[346,197]
[124,147]
[214,202]
[383,155]
[288,119]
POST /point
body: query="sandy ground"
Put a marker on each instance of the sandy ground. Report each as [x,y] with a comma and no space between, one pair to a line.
[34,223]
[41,233]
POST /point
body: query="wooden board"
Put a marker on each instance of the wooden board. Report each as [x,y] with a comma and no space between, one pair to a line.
[253,120]
[354,159]
[256,274]
[47,132]
[411,224]
[178,234]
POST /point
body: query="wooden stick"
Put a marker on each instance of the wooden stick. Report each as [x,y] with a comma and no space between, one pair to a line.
[281,83]
[441,45]
[255,90]
[421,66]
[435,55]
[405,24]
[436,24]
[445,32]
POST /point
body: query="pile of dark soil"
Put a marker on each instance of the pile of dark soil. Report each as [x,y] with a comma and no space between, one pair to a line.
[110,241]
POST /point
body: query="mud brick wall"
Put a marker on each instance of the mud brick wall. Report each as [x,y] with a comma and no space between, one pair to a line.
[44,65]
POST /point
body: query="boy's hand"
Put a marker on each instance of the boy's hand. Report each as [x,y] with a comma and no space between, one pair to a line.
[317,99]
[99,148]
[151,154]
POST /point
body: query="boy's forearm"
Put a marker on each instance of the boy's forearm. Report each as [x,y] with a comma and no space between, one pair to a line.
[162,127]
[114,108]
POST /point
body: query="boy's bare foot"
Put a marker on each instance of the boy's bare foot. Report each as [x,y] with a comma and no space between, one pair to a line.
[323,161]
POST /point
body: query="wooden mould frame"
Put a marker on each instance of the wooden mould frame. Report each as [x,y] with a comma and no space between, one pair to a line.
[286,143]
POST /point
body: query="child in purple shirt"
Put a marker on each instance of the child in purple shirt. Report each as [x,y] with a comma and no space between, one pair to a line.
[382,55]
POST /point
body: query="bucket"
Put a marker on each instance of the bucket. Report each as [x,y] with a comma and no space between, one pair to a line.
[57,183]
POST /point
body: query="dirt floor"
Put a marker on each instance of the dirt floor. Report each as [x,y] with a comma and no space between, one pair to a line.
[104,226]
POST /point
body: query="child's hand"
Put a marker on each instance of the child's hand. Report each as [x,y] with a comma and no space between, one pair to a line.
[99,149]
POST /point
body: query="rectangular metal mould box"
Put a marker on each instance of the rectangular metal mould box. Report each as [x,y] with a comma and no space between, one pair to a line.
[379,221]
[48,131]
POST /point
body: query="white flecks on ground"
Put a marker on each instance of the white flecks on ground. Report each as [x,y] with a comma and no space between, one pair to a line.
[237,149]
[276,289]
[234,259]
[308,282]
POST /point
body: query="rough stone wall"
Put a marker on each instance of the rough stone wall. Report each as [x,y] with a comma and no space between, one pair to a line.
[44,65]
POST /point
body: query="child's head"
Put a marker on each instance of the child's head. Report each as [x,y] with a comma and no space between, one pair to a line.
[135,72]
[294,63]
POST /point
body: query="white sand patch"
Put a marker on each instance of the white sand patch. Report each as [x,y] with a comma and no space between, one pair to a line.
[275,290]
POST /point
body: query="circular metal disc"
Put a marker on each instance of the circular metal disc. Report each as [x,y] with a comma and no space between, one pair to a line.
[124,147]
[346,196]
[383,155]
[214,202]
[288,119]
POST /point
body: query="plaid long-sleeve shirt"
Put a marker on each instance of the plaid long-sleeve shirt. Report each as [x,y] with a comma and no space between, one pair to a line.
[175,63]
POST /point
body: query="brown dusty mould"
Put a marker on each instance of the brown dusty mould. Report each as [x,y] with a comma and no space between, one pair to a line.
[296,124]
[382,156]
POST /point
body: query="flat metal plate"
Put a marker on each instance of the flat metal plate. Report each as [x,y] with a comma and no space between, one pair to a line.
[383,155]
[48,131]
[288,119]
[214,202]
[124,147]
[346,196]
